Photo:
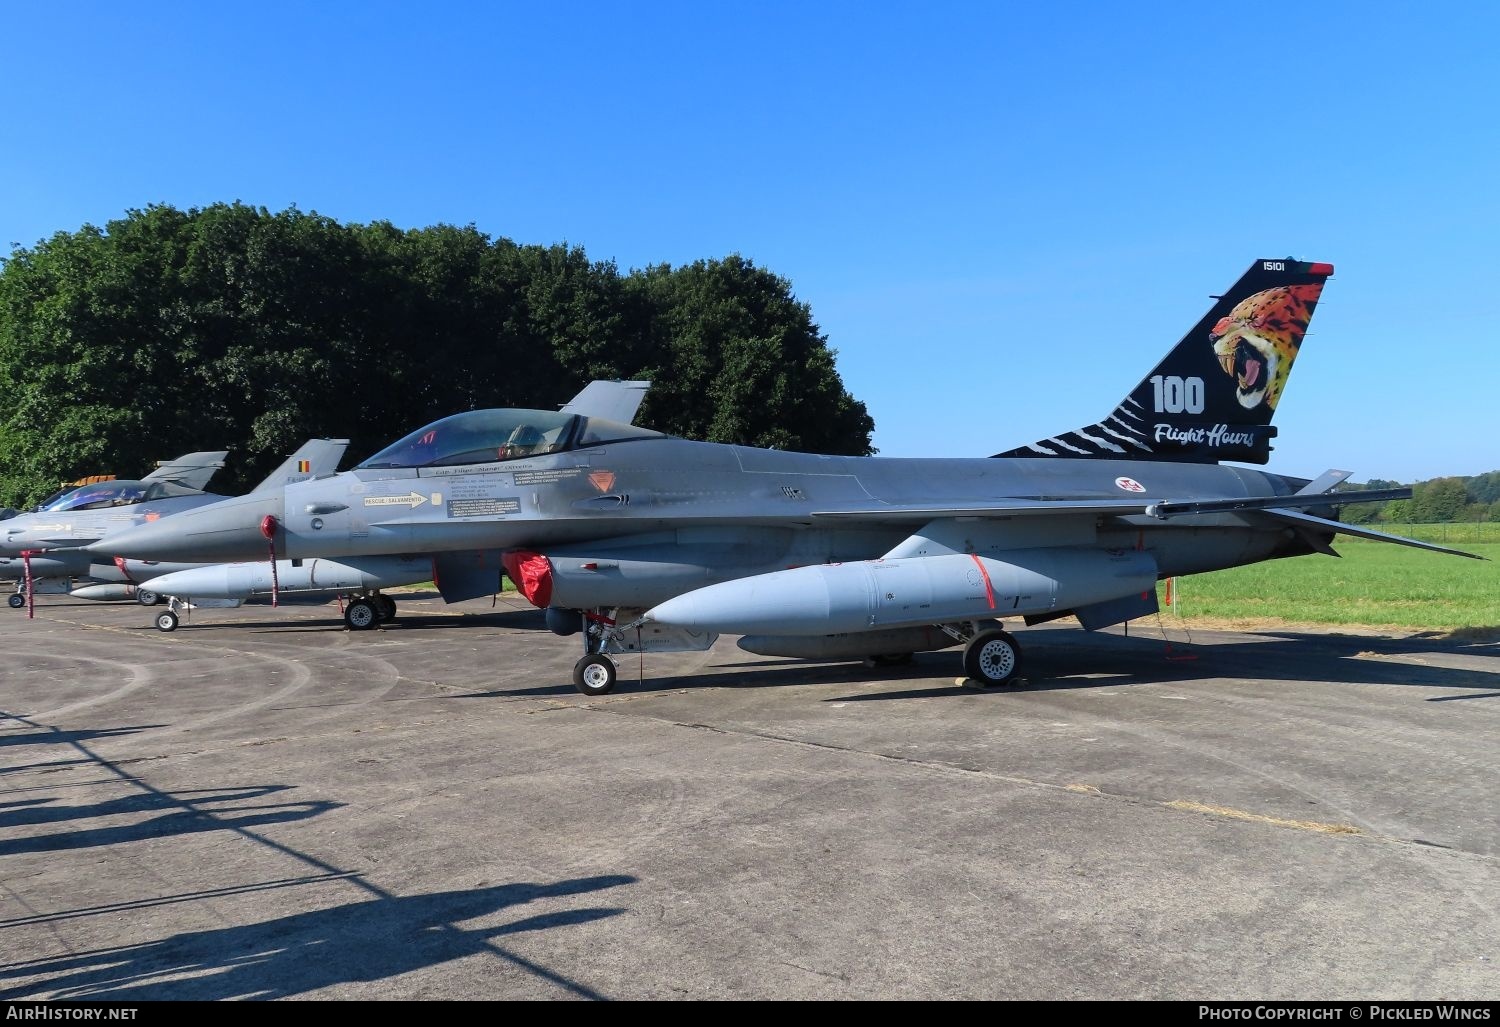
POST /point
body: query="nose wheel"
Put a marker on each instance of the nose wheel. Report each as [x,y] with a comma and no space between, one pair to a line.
[595,675]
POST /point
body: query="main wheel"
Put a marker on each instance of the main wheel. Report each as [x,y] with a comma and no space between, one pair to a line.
[360,615]
[386,607]
[594,675]
[992,657]
[146,597]
[166,621]
[16,600]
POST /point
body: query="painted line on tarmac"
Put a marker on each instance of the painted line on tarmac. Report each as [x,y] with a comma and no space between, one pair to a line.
[1261,818]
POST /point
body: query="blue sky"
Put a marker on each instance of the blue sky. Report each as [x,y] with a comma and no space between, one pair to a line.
[1001,214]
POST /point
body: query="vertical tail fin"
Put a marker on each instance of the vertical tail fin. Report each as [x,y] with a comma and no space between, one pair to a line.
[317,456]
[1213,396]
[191,471]
[611,400]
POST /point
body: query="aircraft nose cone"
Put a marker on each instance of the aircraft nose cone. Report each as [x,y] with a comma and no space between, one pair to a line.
[219,533]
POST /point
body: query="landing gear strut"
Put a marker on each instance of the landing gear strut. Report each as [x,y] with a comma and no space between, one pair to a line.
[168,618]
[595,674]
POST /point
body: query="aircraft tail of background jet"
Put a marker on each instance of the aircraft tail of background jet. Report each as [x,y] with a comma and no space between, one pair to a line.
[1213,396]
[317,456]
[191,471]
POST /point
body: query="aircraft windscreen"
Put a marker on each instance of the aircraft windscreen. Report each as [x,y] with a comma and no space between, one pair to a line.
[53,498]
[478,437]
[96,497]
[169,490]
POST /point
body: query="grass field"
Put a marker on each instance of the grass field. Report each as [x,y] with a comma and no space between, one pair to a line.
[1374,584]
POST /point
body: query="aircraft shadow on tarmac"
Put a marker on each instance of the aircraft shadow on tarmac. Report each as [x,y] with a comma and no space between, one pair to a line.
[191,811]
[369,940]
[1058,659]
[30,736]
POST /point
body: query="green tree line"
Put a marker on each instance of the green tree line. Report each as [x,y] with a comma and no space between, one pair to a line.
[1438,501]
[232,327]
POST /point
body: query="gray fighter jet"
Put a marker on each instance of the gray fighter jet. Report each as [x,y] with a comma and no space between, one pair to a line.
[363,579]
[643,542]
[43,551]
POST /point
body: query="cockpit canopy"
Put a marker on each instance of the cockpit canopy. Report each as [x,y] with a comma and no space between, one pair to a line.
[105,494]
[490,436]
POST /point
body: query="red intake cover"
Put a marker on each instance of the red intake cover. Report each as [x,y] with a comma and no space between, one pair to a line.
[532,573]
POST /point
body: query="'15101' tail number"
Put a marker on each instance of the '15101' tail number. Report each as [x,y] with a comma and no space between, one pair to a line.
[1174,395]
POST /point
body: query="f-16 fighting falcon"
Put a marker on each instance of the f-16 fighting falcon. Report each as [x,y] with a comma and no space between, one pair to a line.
[363,578]
[638,541]
[47,545]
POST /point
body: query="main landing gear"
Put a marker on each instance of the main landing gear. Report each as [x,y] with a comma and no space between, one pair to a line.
[369,611]
[16,600]
[992,657]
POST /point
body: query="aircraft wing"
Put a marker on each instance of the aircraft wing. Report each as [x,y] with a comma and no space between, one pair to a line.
[315,457]
[1170,508]
[191,471]
[1360,531]
[1162,509]
[612,401]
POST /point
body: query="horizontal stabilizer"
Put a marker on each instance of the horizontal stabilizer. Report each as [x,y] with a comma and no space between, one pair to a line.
[1324,482]
[192,471]
[1358,531]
